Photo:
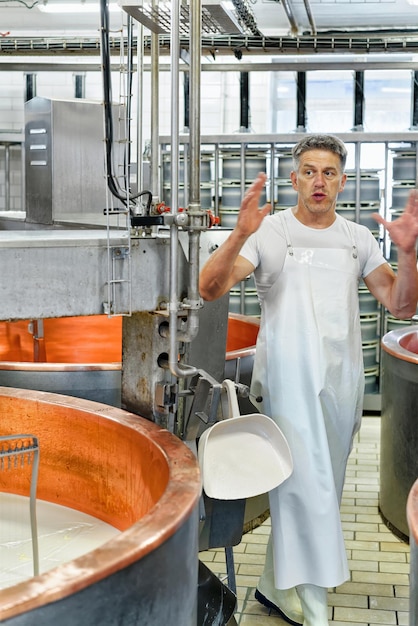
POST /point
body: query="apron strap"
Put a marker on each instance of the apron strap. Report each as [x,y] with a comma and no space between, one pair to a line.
[286,234]
[350,231]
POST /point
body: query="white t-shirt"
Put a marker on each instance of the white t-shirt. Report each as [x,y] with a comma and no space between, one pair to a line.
[266,248]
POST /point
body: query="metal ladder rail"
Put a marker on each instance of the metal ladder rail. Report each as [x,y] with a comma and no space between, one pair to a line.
[27,448]
[119,302]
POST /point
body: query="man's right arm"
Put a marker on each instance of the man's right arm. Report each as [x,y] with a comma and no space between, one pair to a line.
[225,267]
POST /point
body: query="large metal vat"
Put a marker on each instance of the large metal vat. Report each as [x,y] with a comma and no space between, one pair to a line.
[399,429]
[412,515]
[131,474]
[240,352]
[75,356]
[81,356]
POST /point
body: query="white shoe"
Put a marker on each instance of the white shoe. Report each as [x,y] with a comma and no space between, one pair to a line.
[285,601]
[314,602]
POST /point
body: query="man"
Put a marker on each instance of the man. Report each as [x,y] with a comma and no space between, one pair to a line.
[308,370]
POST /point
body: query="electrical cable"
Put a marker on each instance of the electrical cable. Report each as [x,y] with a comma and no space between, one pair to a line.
[25,4]
[112,182]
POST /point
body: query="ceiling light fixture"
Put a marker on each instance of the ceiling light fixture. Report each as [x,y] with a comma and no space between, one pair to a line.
[74,7]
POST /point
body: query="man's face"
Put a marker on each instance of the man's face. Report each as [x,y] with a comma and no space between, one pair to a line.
[318,181]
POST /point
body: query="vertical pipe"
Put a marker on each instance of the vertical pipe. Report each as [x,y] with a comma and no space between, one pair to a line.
[358,180]
[184,370]
[174,118]
[30,91]
[79,85]
[301,101]
[244,101]
[139,113]
[358,100]
[414,107]
[195,100]
[186,92]
[155,99]
[7,175]
[195,158]
[173,299]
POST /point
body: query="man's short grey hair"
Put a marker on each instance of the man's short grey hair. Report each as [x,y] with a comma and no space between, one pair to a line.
[319,142]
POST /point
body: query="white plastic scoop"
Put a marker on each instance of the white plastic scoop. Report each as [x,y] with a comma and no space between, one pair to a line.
[244,455]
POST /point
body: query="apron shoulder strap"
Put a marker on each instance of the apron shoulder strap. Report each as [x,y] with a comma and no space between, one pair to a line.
[283,220]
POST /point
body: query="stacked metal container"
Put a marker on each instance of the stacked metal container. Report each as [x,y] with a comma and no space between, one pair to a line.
[361,198]
[403,170]
[238,169]
[285,195]
[206,176]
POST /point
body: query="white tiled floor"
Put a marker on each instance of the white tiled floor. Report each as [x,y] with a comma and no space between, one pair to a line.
[378,591]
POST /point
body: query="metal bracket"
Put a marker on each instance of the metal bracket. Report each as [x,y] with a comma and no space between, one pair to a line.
[205,405]
[166,395]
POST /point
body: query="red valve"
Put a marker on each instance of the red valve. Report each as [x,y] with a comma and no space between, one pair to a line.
[213,219]
[162,208]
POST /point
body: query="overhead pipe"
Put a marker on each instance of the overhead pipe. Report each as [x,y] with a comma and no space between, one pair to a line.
[288,9]
[310,16]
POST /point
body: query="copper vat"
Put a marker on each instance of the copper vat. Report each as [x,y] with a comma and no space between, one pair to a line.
[128,472]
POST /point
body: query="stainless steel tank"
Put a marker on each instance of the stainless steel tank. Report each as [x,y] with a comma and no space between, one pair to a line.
[412,515]
[399,431]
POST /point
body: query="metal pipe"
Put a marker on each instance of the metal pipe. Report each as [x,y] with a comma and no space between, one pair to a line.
[301,102]
[174,174]
[177,370]
[195,81]
[155,99]
[288,9]
[129,75]
[358,180]
[195,209]
[358,100]
[310,16]
[7,175]
[140,112]
[414,113]
[244,101]
[186,92]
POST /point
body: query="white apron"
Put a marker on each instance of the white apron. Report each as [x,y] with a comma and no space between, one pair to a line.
[309,372]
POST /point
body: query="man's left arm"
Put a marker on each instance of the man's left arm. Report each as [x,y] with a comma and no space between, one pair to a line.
[399,293]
